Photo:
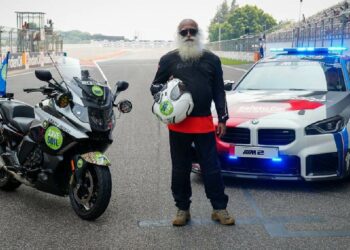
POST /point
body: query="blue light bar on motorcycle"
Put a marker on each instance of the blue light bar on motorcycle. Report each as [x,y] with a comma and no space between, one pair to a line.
[310,50]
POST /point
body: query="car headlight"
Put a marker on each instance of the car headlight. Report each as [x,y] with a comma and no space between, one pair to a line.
[80,112]
[328,126]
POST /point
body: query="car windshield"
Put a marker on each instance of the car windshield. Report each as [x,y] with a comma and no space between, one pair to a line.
[294,75]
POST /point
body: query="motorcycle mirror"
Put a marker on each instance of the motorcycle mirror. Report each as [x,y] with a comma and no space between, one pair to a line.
[43,75]
[124,106]
[121,86]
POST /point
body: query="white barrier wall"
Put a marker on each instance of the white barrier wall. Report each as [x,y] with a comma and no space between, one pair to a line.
[244,56]
[27,60]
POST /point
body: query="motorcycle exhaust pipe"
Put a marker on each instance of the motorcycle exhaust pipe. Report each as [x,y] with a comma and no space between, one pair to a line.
[16,176]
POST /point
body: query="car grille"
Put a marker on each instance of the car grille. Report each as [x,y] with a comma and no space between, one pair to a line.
[275,136]
[237,135]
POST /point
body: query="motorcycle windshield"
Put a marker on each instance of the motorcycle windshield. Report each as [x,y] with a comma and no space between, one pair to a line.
[86,82]
[85,72]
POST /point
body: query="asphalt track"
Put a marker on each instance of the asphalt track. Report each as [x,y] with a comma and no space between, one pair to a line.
[270,214]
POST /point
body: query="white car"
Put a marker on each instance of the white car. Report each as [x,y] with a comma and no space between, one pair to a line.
[289,118]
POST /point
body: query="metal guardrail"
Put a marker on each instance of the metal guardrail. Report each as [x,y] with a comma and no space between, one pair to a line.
[136,44]
[244,44]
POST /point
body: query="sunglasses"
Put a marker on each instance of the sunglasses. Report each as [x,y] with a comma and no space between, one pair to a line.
[192,32]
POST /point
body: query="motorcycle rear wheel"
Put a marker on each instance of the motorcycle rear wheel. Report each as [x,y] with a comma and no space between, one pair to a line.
[91,199]
[7,182]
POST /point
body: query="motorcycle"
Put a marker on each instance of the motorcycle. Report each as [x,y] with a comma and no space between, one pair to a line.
[58,145]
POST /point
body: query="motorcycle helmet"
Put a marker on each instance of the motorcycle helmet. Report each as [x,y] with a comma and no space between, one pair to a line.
[173,103]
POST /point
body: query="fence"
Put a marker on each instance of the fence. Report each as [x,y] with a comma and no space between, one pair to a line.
[26,40]
[330,27]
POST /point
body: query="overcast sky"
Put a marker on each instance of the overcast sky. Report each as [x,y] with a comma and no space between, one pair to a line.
[149,19]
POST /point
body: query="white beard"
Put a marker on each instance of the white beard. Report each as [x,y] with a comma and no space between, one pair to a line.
[190,50]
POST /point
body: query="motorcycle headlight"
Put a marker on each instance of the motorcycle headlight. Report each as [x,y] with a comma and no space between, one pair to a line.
[63,100]
[80,112]
[328,126]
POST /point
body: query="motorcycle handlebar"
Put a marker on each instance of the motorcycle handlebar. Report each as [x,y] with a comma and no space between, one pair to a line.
[45,90]
[32,90]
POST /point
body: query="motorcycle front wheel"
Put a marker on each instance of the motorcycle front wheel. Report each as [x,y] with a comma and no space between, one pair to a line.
[91,199]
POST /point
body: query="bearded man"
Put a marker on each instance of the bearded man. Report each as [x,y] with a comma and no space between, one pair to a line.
[201,72]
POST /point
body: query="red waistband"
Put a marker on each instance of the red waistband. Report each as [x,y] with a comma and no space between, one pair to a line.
[196,124]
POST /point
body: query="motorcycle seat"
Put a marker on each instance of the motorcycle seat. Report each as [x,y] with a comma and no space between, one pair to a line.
[17,114]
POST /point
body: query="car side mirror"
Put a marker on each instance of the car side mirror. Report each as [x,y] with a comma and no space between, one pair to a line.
[229,85]
[43,75]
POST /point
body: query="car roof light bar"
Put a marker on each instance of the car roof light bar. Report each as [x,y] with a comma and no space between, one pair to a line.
[311,50]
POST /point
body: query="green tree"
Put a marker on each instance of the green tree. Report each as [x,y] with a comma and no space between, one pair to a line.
[221,13]
[75,36]
[249,19]
[219,21]
[233,5]
[226,30]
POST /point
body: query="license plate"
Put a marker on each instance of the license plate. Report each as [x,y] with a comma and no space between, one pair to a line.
[256,152]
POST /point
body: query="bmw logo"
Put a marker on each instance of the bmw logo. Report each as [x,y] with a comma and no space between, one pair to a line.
[254,122]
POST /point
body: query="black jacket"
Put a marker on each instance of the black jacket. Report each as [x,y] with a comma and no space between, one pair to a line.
[203,78]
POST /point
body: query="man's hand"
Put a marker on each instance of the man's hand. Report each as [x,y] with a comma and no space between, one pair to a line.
[221,129]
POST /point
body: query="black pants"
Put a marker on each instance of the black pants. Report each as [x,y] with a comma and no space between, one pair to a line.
[180,145]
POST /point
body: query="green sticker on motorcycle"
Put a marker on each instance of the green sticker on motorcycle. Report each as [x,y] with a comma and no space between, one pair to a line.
[166,108]
[97,90]
[53,138]
[101,159]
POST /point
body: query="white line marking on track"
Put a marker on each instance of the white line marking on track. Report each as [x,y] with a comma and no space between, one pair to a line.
[20,74]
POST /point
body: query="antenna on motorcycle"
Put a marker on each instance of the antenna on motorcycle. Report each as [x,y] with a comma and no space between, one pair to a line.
[55,65]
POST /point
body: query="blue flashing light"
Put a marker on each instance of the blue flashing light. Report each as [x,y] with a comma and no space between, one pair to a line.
[337,49]
[277,159]
[232,157]
[301,50]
